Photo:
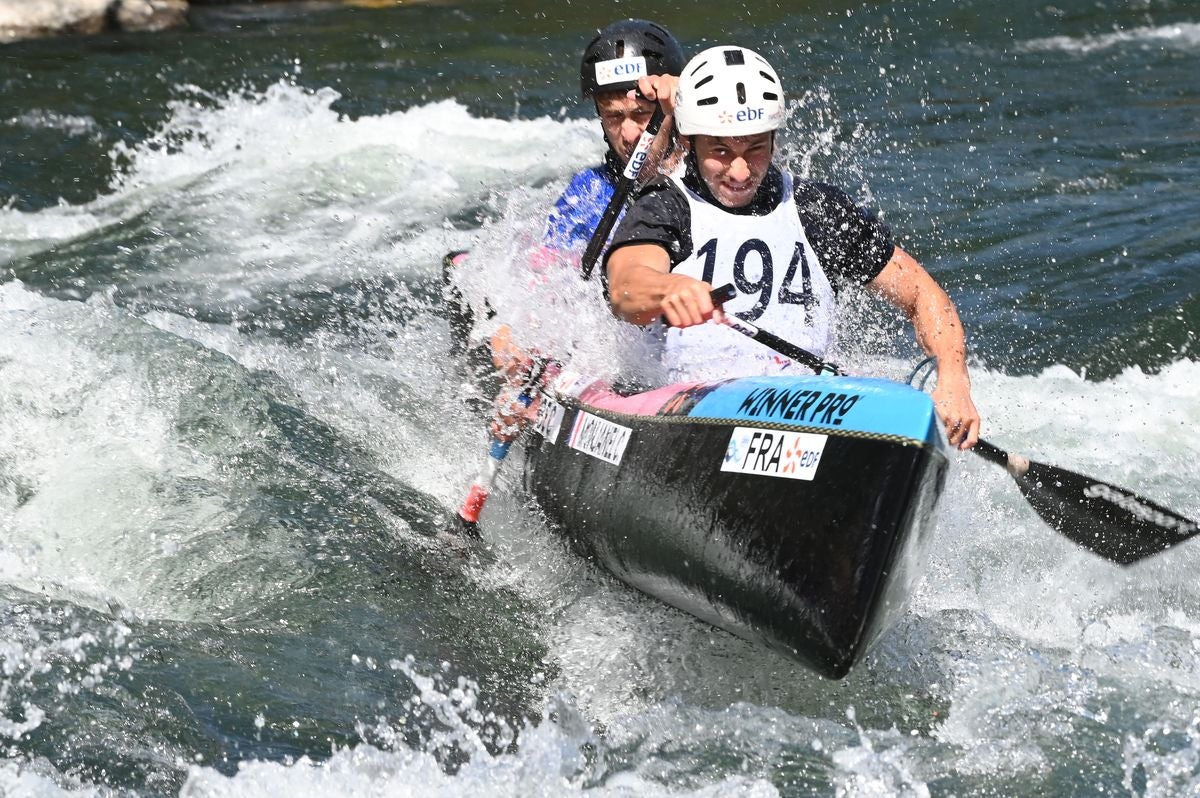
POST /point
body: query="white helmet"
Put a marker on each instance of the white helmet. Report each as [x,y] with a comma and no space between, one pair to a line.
[728,91]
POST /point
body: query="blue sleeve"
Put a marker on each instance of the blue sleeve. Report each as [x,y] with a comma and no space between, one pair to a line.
[577,212]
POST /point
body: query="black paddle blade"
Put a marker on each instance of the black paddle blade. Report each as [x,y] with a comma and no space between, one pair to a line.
[1118,525]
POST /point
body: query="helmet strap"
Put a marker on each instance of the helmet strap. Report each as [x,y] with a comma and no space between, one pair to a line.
[692,177]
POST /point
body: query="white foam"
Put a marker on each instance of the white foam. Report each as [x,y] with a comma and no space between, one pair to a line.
[29,781]
[251,189]
[549,761]
[1180,36]
[399,774]
[39,119]
[103,500]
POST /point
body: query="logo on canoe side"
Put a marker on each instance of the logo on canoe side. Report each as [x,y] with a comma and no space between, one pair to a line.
[813,407]
[599,438]
[549,419]
[774,453]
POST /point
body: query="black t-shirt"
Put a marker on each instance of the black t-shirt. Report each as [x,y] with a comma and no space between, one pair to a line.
[851,243]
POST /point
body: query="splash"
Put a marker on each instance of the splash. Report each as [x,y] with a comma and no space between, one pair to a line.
[559,756]
[1164,760]
[35,666]
[251,189]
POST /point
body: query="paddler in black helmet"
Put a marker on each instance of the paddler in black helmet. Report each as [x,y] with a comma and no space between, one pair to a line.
[613,62]
[789,244]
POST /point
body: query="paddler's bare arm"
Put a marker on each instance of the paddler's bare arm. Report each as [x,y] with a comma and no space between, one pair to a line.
[642,287]
[907,285]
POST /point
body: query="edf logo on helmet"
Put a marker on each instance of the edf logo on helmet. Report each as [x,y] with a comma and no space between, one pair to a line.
[744,115]
[619,70]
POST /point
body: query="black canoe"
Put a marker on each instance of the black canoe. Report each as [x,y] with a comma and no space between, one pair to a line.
[793,511]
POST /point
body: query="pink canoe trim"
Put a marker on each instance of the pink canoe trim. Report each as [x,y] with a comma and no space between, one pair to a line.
[601,396]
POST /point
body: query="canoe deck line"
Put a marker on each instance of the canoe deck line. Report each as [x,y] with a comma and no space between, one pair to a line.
[792,511]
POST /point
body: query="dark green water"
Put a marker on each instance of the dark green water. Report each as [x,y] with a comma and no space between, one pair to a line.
[230,420]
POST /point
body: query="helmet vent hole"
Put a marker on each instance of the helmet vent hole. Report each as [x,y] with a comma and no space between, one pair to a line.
[703,80]
[707,101]
[741,93]
[767,76]
[734,58]
[620,48]
[768,95]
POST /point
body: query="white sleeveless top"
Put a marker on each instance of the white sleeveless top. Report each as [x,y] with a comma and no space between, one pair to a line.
[781,288]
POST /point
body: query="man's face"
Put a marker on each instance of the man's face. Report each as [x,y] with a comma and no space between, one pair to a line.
[734,167]
[623,120]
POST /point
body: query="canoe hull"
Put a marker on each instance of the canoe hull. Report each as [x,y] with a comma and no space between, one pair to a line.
[797,532]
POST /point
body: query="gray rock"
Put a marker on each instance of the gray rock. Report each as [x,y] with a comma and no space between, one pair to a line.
[25,19]
[150,14]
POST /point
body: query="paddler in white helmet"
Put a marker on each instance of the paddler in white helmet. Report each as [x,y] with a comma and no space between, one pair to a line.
[788,244]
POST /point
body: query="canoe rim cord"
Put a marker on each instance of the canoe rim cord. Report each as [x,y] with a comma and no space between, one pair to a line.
[929,365]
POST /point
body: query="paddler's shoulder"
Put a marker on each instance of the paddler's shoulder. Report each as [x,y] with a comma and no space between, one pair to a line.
[658,186]
[587,184]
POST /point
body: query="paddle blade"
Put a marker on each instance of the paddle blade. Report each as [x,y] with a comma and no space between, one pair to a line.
[1118,525]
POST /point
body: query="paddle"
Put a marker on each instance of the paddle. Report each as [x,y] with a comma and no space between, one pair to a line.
[477,496]
[786,348]
[1116,524]
[481,485]
[625,186]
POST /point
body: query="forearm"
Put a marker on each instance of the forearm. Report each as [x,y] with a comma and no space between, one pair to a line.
[939,331]
[638,281]
[638,298]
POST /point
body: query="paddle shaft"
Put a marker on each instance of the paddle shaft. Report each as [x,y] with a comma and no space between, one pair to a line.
[727,292]
[621,193]
[481,485]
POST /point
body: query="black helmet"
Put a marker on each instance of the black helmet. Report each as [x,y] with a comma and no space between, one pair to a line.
[604,66]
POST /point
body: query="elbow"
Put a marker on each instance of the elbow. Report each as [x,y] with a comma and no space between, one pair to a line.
[633,284]
[619,300]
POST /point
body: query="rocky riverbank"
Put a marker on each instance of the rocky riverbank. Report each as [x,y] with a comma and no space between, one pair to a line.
[30,19]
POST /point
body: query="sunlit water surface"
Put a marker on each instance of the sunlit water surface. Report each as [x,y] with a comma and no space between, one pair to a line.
[232,418]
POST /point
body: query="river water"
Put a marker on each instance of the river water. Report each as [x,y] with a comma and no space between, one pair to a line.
[232,417]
